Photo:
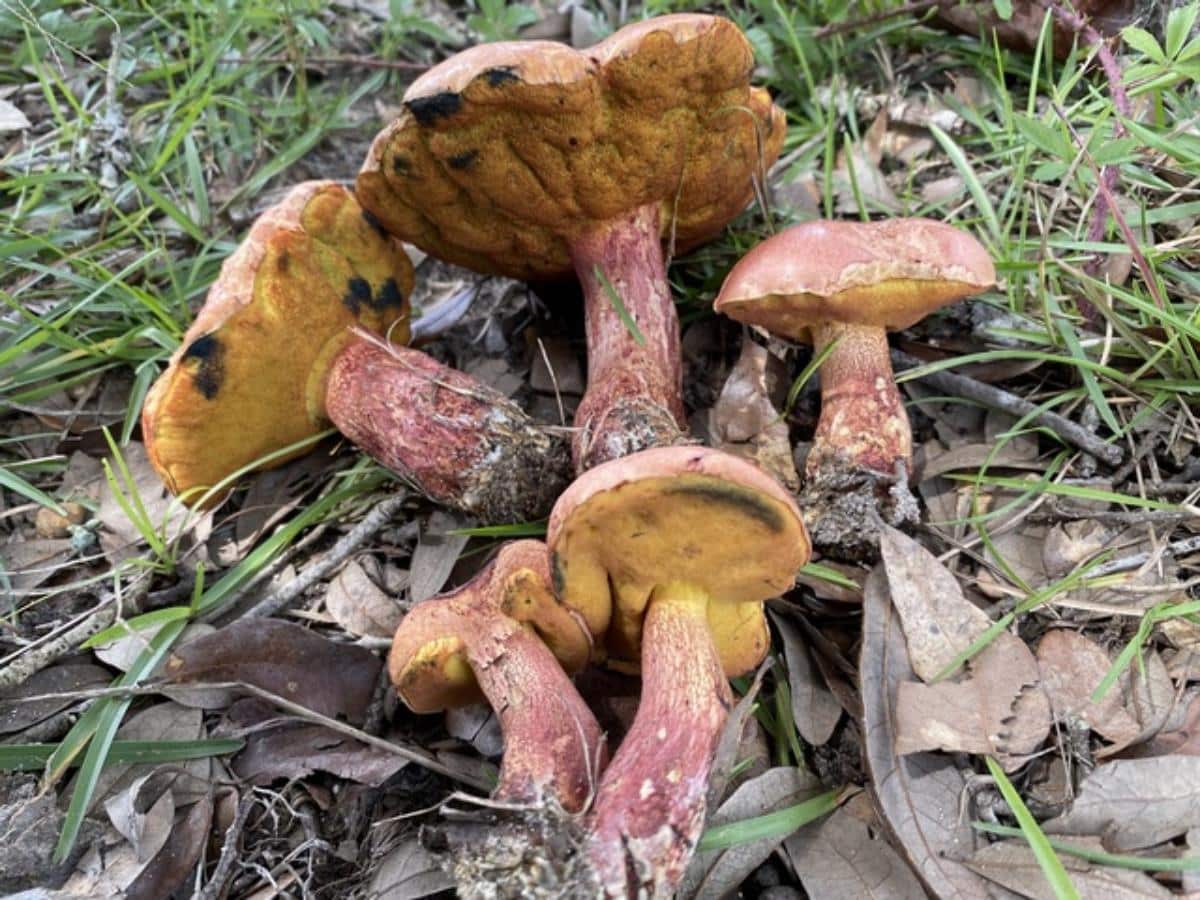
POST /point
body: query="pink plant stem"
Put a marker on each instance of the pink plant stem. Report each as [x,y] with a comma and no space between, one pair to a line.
[650,807]
[461,442]
[634,397]
[863,425]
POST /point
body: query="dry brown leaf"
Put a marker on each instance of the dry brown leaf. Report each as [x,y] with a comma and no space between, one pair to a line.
[359,605]
[973,457]
[838,857]
[918,795]
[335,680]
[715,873]
[939,622]
[1072,667]
[478,726]
[744,420]
[168,871]
[815,711]
[826,590]
[1013,865]
[998,709]
[436,553]
[144,813]
[1183,740]
[65,679]
[1135,803]
[294,751]
[409,872]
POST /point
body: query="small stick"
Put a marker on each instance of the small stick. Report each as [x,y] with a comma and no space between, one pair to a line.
[281,597]
[1137,560]
[914,6]
[989,395]
[215,887]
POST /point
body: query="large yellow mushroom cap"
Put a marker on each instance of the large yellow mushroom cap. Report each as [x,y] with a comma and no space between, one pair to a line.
[248,378]
[677,514]
[888,274]
[506,151]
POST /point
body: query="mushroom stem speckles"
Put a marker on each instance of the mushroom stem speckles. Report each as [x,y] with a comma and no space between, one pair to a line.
[651,802]
[634,395]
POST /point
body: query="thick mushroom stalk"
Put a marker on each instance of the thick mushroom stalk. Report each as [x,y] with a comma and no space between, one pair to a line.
[851,283]
[535,160]
[668,555]
[650,808]
[295,332]
[634,397]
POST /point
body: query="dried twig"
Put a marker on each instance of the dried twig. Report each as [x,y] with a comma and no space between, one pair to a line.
[214,889]
[990,395]
[913,6]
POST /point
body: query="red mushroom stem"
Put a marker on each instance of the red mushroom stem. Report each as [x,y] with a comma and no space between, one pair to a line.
[651,803]
[634,397]
[462,442]
[863,425]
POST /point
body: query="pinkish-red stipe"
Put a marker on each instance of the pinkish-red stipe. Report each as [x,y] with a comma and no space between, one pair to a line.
[634,396]
[461,442]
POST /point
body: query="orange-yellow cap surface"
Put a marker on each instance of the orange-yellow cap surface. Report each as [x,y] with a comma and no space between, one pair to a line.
[248,378]
[505,151]
[677,514]
[889,274]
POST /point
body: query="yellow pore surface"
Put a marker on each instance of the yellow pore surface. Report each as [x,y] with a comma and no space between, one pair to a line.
[248,378]
[738,545]
[506,151]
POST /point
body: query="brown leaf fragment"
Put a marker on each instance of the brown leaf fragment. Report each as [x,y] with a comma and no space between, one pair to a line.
[918,795]
[17,714]
[715,873]
[409,872]
[1135,803]
[1071,667]
[169,869]
[1013,865]
[296,751]
[435,555]
[815,710]
[359,605]
[998,709]
[839,857]
[1183,740]
[938,621]
[332,679]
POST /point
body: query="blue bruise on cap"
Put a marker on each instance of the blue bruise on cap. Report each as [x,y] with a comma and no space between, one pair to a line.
[210,371]
[358,294]
[501,75]
[463,160]
[733,497]
[427,110]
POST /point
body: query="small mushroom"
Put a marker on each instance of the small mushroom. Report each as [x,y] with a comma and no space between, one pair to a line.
[669,554]
[850,283]
[533,160]
[295,333]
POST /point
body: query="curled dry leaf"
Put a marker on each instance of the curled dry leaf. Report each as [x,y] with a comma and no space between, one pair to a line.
[359,605]
[741,751]
[335,680]
[144,813]
[715,873]
[1012,864]
[918,795]
[839,857]
[815,711]
[1072,667]
[745,422]
[1184,739]
[168,871]
[998,709]
[938,621]
[1135,803]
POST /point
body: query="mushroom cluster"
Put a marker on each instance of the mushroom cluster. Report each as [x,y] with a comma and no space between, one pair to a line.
[539,161]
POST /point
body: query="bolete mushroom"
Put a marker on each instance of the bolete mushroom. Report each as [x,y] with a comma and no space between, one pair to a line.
[669,554]
[532,159]
[823,282]
[295,333]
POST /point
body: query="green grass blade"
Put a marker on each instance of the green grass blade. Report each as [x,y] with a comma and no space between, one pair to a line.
[33,757]
[775,824]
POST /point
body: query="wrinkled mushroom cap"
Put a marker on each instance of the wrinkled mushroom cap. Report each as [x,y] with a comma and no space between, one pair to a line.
[689,514]
[429,661]
[889,274]
[505,151]
[248,378]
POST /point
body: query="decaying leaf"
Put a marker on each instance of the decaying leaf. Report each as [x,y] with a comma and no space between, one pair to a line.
[815,710]
[1135,803]
[478,726]
[409,872]
[168,871]
[918,795]
[359,605]
[65,679]
[741,750]
[1012,864]
[144,813]
[1183,739]
[998,709]
[435,555]
[938,621]
[294,751]
[744,420]
[839,857]
[715,873]
[1071,667]
[335,680]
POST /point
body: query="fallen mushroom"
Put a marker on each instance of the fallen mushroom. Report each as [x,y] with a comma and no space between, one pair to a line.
[295,332]
[850,283]
[670,553]
[504,637]
[532,159]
